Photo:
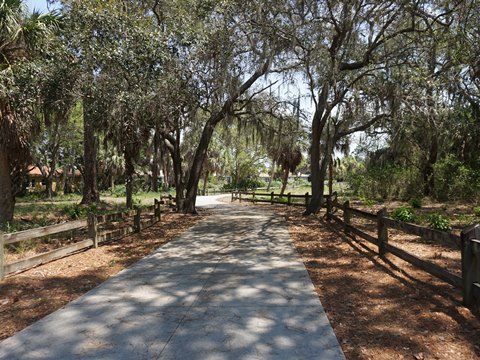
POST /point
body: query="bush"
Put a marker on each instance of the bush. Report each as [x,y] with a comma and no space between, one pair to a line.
[438,222]
[119,191]
[368,202]
[404,214]
[476,211]
[454,180]
[415,203]
[282,199]
[249,184]
[77,211]
[386,182]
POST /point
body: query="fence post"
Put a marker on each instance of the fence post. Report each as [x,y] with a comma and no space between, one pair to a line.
[253,197]
[239,196]
[232,195]
[136,220]
[470,242]
[346,215]
[307,198]
[382,231]
[2,258]
[93,228]
[289,197]
[329,208]
[157,209]
[271,197]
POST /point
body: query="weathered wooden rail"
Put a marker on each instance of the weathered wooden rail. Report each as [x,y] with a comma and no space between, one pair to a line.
[271,198]
[468,243]
[97,233]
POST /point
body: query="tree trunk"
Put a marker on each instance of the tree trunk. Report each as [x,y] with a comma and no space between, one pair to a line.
[330,177]
[272,175]
[129,172]
[318,124]
[202,148]
[48,186]
[428,169]
[90,192]
[196,168]
[177,160]
[284,180]
[166,176]
[7,201]
[315,176]
[155,161]
[205,183]
[112,181]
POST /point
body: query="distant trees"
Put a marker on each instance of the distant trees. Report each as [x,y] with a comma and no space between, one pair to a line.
[22,36]
[431,135]
[157,83]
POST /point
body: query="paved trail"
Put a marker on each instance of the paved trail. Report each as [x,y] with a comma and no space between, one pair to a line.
[232,287]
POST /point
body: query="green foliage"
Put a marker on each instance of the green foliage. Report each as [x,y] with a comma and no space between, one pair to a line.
[11,226]
[415,202]
[385,183]
[455,180]
[249,184]
[404,214]
[77,211]
[368,202]
[438,222]
[282,199]
[476,210]
[137,202]
[119,191]
[22,246]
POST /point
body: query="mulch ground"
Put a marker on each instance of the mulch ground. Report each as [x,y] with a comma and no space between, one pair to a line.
[382,308]
[33,294]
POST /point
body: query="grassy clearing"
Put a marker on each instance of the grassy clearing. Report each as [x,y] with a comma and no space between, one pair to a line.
[36,211]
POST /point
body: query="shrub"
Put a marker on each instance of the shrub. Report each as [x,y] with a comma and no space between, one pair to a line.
[74,211]
[386,182]
[438,222]
[282,199]
[476,211]
[415,203]
[404,214]
[119,191]
[368,202]
[136,202]
[249,184]
[455,180]
[77,211]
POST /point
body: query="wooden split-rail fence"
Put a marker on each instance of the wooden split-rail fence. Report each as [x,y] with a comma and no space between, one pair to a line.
[468,242]
[272,198]
[98,229]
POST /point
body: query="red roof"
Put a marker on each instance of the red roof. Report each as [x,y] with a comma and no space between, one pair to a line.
[35,171]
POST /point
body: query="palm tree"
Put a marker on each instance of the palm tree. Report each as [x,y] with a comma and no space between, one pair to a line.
[20,34]
[289,158]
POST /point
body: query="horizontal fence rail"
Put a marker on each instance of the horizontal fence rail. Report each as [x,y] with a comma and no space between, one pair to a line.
[97,233]
[288,199]
[468,242]
[381,240]
[42,232]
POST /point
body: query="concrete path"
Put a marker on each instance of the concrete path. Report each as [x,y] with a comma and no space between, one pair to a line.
[232,287]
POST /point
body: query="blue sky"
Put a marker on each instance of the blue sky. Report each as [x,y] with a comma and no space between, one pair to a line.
[38,4]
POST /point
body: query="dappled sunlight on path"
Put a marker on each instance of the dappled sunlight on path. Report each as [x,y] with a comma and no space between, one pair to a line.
[232,287]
